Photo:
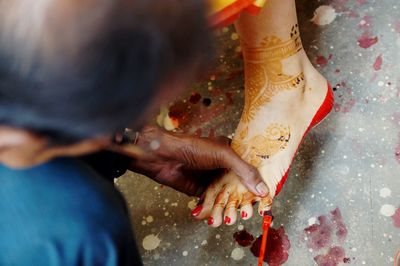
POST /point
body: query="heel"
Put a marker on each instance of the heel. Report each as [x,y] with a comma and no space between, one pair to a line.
[323,111]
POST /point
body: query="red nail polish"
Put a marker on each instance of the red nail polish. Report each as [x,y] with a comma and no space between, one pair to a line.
[196,211]
[227,220]
[210,221]
[244,214]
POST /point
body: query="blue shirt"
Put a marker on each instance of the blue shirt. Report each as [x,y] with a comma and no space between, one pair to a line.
[63,213]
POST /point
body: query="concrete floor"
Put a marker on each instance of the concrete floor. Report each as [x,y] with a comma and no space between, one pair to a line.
[341,202]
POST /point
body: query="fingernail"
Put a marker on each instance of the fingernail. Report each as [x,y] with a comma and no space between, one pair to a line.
[196,211]
[227,220]
[210,221]
[262,189]
[243,214]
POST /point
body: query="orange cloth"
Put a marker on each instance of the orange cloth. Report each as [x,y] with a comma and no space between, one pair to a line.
[225,12]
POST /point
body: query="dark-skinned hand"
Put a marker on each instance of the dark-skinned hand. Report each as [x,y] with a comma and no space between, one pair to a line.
[189,164]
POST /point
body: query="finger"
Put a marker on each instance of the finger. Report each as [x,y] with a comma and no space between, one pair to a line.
[230,214]
[223,140]
[248,174]
[215,219]
[208,203]
[246,209]
[265,205]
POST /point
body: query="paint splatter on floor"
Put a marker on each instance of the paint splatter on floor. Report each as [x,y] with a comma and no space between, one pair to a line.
[237,254]
[366,41]
[396,218]
[243,238]
[387,210]
[385,192]
[378,63]
[321,235]
[277,250]
[151,242]
[324,15]
[335,256]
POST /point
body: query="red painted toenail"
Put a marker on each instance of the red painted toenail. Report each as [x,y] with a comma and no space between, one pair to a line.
[197,210]
[244,214]
[210,221]
[227,220]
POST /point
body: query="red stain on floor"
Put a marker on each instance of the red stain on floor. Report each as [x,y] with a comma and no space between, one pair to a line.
[365,41]
[378,63]
[341,230]
[243,238]
[195,98]
[396,218]
[277,249]
[397,150]
[321,60]
[335,256]
[321,235]
[397,26]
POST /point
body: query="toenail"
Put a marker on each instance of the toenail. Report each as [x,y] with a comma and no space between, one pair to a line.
[244,214]
[210,221]
[197,210]
[227,220]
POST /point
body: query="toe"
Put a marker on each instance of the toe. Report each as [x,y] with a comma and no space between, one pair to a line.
[230,214]
[208,203]
[265,205]
[216,219]
[246,210]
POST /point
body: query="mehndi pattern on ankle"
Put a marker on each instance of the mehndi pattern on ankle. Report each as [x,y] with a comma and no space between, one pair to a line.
[264,75]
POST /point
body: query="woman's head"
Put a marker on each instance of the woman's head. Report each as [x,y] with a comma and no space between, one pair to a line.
[71,70]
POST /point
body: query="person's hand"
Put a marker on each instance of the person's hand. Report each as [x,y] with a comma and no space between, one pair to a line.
[189,164]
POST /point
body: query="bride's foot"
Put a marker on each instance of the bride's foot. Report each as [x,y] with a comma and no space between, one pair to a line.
[284,92]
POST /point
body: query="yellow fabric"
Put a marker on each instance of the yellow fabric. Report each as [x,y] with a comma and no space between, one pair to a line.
[218,5]
[225,12]
[259,3]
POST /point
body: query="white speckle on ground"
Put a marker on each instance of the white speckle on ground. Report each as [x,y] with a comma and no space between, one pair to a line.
[312,221]
[240,227]
[151,242]
[149,219]
[204,242]
[234,36]
[166,213]
[385,192]
[387,210]
[192,204]
[324,15]
[217,236]
[237,254]
[143,222]
[185,253]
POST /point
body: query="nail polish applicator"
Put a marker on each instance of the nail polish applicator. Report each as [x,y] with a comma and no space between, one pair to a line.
[267,219]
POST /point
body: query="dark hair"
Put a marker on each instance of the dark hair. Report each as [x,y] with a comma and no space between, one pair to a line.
[103,82]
